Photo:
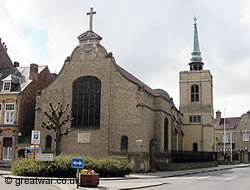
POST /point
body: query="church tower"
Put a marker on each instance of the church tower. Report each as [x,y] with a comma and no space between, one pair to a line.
[196,103]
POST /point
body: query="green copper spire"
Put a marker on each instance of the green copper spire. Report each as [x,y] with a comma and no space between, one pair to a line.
[196,59]
[196,50]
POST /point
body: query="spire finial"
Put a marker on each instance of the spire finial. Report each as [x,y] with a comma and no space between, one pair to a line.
[195,20]
[91,13]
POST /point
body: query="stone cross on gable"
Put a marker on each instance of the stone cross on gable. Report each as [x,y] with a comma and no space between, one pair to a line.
[91,13]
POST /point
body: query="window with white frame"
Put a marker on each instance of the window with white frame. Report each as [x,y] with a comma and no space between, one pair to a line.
[226,138]
[6,86]
[245,136]
[9,113]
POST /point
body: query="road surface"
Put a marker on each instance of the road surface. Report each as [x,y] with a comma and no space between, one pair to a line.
[234,179]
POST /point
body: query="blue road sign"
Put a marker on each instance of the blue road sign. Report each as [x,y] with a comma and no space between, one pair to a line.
[77,163]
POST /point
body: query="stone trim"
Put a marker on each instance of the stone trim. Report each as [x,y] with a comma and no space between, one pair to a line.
[152,109]
[191,81]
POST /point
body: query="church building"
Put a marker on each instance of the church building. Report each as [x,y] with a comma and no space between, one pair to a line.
[117,115]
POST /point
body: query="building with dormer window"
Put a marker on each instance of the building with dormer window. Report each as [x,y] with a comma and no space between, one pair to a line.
[18,88]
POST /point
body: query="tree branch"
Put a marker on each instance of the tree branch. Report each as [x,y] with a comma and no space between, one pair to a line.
[66,132]
[55,121]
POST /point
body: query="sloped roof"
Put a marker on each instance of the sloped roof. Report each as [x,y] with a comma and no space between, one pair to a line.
[231,123]
[133,79]
[5,60]
[21,72]
[12,78]
[154,92]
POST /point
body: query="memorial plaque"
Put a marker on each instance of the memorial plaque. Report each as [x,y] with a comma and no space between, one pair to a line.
[83,138]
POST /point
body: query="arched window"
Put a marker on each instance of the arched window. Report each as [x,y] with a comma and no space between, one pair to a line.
[48,142]
[195,93]
[86,102]
[21,153]
[166,134]
[195,147]
[124,143]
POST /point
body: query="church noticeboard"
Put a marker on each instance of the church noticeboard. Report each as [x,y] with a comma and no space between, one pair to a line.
[83,138]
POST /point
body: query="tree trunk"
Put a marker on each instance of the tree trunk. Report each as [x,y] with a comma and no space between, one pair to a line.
[58,144]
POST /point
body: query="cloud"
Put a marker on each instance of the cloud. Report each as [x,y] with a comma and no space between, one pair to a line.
[151,39]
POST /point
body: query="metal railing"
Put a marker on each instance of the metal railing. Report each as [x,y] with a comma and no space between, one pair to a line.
[188,156]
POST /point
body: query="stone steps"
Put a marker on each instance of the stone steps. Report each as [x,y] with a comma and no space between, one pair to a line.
[5,164]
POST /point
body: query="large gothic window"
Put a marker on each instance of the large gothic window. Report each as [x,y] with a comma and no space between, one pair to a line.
[195,93]
[86,102]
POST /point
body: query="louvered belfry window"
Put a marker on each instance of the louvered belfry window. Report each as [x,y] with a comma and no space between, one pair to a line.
[195,93]
[86,102]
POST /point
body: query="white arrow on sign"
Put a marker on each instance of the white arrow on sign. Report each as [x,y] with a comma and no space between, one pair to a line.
[77,163]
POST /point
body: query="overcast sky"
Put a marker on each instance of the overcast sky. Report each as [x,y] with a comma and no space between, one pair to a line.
[151,39]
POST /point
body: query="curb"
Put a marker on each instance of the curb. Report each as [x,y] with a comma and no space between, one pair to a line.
[145,186]
[127,188]
[203,171]
[176,175]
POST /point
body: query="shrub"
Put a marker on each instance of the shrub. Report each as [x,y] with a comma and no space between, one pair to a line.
[61,167]
[28,167]
[110,167]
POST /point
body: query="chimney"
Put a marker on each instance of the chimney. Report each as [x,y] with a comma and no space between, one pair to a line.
[33,71]
[16,64]
[218,115]
[248,113]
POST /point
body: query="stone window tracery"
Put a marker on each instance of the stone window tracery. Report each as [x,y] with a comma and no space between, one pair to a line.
[86,102]
[195,93]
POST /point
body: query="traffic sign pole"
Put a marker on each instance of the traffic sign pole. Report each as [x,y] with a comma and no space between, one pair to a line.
[34,153]
[77,163]
[77,178]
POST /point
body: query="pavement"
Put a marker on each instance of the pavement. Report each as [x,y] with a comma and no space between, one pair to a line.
[139,180]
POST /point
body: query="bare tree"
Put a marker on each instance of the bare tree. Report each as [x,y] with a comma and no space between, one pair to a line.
[56,121]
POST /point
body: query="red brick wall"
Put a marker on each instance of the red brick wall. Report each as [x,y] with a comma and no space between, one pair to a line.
[27,102]
[4,57]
